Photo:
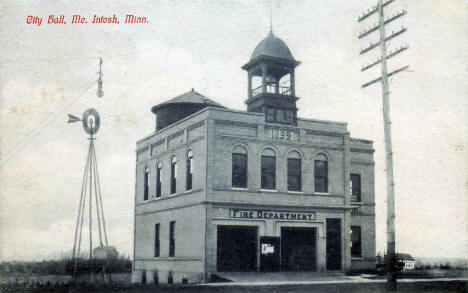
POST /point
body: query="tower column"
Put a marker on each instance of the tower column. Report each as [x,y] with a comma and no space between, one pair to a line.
[249,89]
[264,75]
[292,83]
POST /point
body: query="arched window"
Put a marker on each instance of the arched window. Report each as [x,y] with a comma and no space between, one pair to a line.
[158,179]
[268,169]
[294,171]
[188,184]
[146,184]
[321,173]
[239,167]
[173,175]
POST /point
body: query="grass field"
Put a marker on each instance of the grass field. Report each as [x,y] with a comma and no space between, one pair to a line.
[419,287]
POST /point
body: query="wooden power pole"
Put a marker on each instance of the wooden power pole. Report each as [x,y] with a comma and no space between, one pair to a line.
[382,44]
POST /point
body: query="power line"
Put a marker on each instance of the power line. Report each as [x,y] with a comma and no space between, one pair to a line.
[47,124]
[47,116]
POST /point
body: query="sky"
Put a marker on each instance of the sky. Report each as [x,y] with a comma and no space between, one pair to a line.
[49,70]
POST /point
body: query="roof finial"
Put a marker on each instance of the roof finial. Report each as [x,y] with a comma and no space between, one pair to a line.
[271,20]
[100,93]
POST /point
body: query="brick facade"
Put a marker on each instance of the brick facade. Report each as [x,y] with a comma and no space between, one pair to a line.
[212,134]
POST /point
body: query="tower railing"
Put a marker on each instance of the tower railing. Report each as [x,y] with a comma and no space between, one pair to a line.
[271,88]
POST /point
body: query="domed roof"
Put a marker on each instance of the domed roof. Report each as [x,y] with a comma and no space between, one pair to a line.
[272,46]
[191,97]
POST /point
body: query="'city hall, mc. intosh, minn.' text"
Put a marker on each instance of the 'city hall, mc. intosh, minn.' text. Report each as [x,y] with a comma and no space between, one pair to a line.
[79,19]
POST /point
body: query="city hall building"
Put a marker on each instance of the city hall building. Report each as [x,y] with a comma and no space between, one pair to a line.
[220,190]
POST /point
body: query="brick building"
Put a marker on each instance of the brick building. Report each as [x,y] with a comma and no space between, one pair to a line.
[220,190]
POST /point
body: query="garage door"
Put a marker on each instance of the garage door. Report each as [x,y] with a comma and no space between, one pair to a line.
[236,248]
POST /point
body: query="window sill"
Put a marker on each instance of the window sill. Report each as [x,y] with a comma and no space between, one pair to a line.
[322,193]
[268,190]
[357,258]
[239,188]
[295,192]
[169,196]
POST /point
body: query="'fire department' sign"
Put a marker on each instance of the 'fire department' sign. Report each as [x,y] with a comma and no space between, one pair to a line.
[275,215]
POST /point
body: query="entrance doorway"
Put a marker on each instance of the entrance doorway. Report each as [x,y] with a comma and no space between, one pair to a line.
[236,248]
[298,249]
[333,244]
[269,254]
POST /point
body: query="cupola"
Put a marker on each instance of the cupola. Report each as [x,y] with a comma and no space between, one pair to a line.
[271,81]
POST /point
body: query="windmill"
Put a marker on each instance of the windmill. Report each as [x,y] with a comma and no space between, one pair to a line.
[90,191]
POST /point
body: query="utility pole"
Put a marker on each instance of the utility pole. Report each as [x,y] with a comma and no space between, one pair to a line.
[382,43]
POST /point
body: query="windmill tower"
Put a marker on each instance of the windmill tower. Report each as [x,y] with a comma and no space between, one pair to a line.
[90,195]
[90,205]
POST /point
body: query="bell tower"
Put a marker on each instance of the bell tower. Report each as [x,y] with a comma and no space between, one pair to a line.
[271,81]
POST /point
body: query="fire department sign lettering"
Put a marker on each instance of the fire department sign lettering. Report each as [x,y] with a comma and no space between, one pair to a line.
[274,215]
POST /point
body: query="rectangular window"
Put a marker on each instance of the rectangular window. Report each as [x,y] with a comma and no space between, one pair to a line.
[355,187]
[289,116]
[294,175]
[270,115]
[156,240]
[172,239]
[280,116]
[356,241]
[321,176]
[239,170]
[158,182]
[268,172]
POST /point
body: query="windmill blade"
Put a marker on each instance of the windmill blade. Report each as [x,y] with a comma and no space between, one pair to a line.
[72,118]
